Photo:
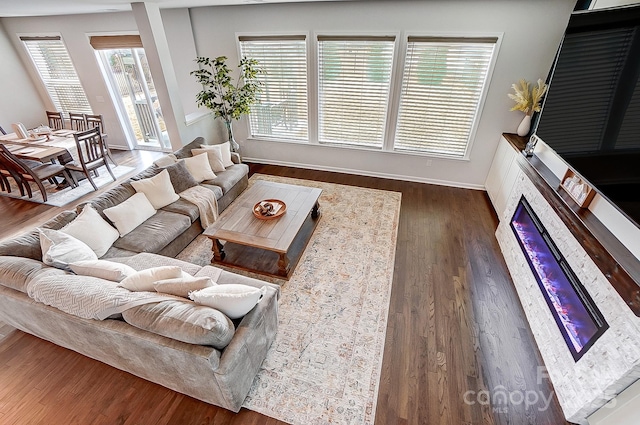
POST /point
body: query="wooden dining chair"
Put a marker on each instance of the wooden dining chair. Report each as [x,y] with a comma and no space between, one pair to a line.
[96,120]
[77,121]
[2,130]
[91,153]
[56,122]
[33,172]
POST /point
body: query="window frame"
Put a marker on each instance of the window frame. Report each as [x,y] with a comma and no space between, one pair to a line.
[35,71]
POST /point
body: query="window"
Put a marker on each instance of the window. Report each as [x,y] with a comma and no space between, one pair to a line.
[442,86]
[58,74]
[354,80]
[282,108]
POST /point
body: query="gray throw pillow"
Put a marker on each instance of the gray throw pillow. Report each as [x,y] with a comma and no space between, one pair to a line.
[181,178]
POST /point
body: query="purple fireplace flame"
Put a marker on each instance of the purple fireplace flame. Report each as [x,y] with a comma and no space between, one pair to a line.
[577,316]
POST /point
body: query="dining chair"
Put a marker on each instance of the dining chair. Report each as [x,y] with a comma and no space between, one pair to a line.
[56,122]
[91,153]
[5,172]
[77,121]
[93,120]
[32,171]
[2,130]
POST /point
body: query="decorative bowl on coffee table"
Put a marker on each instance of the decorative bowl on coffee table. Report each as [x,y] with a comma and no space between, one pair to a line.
[269,209]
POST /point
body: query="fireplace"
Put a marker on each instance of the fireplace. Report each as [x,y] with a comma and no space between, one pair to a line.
[578,319]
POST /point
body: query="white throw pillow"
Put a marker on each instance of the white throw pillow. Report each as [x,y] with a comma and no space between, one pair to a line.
[131,213]
[199,167]
[144,279]
[214,157]
[225,152]
[166,160]
[60,249]
[90,228]
[182,286]
[232,299]
[103,269]
[158,189]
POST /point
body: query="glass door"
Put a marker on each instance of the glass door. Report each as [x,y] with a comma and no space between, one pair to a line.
[128,75]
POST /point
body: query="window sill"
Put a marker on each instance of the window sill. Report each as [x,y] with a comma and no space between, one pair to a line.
[359,148]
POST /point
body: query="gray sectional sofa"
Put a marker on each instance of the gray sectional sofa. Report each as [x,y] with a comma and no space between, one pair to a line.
[222,376]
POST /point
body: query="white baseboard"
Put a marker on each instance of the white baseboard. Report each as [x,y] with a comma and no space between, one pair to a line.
[366,173]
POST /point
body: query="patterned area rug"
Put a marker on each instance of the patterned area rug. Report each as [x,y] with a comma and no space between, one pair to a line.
[324,367]
[61,197]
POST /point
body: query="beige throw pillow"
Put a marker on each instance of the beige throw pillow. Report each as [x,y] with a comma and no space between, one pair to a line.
[131,213]
[90,228]
[60,249]
[214,157]
[199,167]
[108,270]
[182,286]
[224,149]
[144,279]
[232,299]
[158,189]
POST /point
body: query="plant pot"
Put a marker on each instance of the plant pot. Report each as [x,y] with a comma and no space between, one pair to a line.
[235,147]
[525,126]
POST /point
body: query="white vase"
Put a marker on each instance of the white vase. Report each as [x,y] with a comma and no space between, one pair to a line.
[525,126]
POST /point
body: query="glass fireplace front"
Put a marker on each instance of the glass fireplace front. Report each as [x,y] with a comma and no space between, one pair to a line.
[575,313]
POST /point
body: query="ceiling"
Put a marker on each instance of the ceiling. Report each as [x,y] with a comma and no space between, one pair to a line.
[13,8]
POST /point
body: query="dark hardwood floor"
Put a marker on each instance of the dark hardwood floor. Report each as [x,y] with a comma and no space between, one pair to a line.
[458,347]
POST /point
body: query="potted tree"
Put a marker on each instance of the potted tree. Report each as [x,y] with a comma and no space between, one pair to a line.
[228,100]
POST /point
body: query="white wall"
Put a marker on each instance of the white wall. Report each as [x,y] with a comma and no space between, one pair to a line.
[21,102]
[532,32]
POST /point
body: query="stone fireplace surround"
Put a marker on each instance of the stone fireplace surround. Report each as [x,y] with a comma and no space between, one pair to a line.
[613,362]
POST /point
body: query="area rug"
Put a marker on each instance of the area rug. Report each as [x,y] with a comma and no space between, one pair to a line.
[59,197]
[324,366]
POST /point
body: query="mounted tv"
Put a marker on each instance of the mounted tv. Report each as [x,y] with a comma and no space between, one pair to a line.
[591,114]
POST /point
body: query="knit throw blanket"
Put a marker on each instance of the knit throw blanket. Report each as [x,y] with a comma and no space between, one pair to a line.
[206,202]
[88,297]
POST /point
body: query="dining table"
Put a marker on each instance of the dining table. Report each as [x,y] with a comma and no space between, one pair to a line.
[58,146]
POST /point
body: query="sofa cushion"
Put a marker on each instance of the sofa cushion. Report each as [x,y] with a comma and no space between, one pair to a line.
[217,190]
[183,321]
[233,300]
[27,245]
[143,280]
[199,167]
[108,270]
[158,189]
[17,272]
[184,207]
[182,286]
[155,233]
[228,178]
[131,213]
[90,228]
[60,249]
[181,178]
[185,151]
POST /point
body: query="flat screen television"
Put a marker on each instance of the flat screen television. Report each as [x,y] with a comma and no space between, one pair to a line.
[591,113]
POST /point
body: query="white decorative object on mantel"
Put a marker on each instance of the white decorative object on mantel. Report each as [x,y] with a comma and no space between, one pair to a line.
[613,362]
[525,126]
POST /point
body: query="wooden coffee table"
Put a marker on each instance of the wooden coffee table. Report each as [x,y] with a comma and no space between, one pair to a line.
[270,247]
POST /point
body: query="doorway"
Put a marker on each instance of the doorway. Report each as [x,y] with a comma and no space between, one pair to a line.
[128,75]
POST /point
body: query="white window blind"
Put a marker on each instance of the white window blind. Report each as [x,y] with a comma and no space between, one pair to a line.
[442,86]
[58,74]
[282,109]
[354,82]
